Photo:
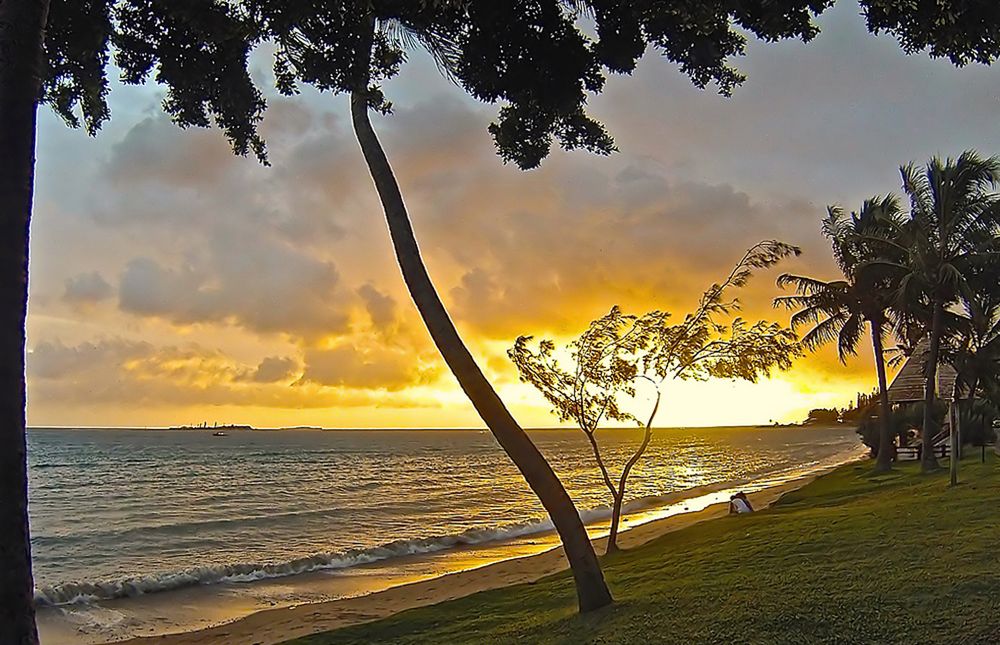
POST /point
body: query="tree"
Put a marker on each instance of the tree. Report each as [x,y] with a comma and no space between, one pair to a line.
[57,55]
[822,415]
[531,55]
[840,309]
[974,351]
[619,352]
[952,234]
[21,28]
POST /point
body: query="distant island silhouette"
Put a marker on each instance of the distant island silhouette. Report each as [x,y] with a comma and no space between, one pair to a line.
[205,426]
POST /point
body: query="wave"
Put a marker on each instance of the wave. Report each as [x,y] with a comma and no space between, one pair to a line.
[76,592]
[87,591]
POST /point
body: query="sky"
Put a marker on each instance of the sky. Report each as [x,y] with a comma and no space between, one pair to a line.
[172,282]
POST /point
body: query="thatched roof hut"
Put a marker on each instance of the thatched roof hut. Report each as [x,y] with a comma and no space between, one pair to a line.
[908,386]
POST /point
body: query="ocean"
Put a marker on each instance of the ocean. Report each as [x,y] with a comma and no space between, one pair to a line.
[120,517]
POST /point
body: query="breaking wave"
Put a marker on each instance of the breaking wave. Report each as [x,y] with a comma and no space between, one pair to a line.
[88,591]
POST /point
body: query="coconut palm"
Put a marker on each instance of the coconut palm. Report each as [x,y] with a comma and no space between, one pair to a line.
[951,237]
[839,310]
[976,355]
[975,349]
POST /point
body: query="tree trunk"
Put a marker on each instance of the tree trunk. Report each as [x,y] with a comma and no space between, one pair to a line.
[592,590]
[616,516]
[616,511]
[22,29]
[928,462]
[886,449]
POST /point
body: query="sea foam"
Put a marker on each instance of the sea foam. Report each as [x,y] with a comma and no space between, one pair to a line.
[90,591]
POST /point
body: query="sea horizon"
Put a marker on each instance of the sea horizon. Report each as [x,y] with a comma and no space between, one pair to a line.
[252,428]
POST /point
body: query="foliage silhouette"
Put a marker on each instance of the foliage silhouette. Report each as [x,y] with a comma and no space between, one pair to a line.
[838,310]
[619,352]
[952,235]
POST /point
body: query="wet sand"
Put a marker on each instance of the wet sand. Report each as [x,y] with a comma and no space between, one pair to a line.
[409,586]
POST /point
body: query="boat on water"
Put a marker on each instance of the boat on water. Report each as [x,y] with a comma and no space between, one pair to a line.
[220,433]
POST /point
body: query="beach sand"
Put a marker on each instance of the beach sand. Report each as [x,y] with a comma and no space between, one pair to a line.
[281,624]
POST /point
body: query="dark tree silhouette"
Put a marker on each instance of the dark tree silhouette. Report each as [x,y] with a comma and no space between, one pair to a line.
[838,310]
[21,28]
[953,229]
[534,56]
[619,352]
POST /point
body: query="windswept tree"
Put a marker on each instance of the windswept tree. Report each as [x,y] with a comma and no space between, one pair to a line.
[540,59]
[595,379]
[839,310]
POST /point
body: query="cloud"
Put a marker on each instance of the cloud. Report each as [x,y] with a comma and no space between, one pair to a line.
[263,286]
[55,361]
[120,372]
[151,152]
[543,255]
[377,366]
[275,368]
[87,289]
[381,308]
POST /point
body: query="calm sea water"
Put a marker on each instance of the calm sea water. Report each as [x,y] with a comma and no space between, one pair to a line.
[121,512]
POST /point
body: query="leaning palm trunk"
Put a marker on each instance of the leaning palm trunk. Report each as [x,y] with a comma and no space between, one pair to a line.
[928,461]
[22,25]
[592,591]
[886,449]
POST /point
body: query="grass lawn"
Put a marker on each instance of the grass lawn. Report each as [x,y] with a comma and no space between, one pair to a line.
[850,558]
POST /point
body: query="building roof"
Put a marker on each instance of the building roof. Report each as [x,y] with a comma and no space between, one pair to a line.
[908,386]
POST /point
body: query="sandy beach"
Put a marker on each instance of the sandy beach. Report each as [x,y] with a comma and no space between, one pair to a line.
[281,624]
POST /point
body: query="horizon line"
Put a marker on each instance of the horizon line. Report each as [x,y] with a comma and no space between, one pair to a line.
[183,428]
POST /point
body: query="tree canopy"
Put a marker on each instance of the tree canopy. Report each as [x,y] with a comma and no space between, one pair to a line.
[540,60]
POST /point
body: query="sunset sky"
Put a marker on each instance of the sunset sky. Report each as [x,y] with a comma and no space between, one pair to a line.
[172,282]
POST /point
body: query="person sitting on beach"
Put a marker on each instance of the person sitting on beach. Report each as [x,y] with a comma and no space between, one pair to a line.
[739,503]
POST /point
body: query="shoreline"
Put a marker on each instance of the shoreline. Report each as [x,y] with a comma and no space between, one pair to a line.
[270,626]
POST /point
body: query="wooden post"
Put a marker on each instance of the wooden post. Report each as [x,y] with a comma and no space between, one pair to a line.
[958,423]
[953,437]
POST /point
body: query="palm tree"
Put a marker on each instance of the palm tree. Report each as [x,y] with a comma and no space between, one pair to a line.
[975,349]
[952,235]
[592,590]
[840,309]
[976,354]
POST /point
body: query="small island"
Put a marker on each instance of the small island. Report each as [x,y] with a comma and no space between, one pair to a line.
[204,426]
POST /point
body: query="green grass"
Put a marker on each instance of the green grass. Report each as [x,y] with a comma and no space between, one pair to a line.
[850,558]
